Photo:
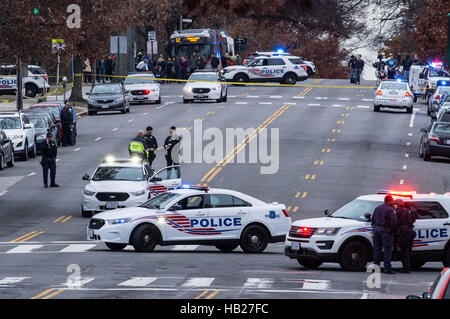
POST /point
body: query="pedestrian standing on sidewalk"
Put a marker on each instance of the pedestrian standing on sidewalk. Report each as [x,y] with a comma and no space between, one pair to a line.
[48,162]
[87,70]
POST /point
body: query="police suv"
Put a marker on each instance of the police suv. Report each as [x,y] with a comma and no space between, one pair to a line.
[194,215]
[34,82]
[119,183]
[423,79]
[286,69]
[345,237]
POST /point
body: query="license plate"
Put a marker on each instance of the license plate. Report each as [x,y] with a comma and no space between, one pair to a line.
[393,92]
[393,100]
[106,106]
[295,246]
[139,98]
[448,142]
[90,234]
[111,205]
[200,96]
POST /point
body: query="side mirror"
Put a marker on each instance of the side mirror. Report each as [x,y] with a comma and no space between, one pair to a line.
[413,297]
[175,207]
[423,130]
[326,212]
[368,217]
[6,140]
[85,177]
[27,126]
[156,179]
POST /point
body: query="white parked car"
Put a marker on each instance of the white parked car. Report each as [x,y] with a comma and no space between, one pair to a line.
[194,215]
[345,237]
[119,183]
[143,88]
[21,131]
[394,94]
[286,69]
[33,83]
[205,85]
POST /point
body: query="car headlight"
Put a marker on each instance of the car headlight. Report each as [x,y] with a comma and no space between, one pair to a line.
[119,100]
[41,137]
[139,193]
[327,231]
[90,101]
[214,89]
[118,221]
[18,137]
[88,193]
[188,89]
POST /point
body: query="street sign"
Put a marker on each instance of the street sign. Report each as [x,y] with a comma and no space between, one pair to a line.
[187,20]
[151,36]
[58,45]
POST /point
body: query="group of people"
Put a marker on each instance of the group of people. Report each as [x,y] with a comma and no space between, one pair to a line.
[182,66]
[356,66]
[144,146]
[393,227]
[102,71]
[50,149]
[393,67]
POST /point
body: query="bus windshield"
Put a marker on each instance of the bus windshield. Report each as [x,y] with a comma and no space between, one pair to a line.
[188,50]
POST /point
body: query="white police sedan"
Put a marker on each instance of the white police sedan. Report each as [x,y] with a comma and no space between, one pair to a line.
[194,215]
[143,88]
[394,94]
[345,237]
[205,85]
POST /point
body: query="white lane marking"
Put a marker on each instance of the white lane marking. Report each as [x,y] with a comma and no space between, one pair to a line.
[138,281]
[77,248]
[170,102]
[344,99]
[198,282]
[321,98]
[145,113]
[258,283]
[240,102]
[77,149]
[185,247]
[115,129]
[132,120]
[265,103]
[23,249]
[253,96]
[363,106]
[408,143]
[231,95]
[31,174]
[369,100]
[312,104]
[290,103]
[275,97]
[98,139]
[365,295]
[316,284]
[163,105]
[298,97]
[402,182]
[337,105]
[12,280]
[405,167]
[406,155]
[413,116]
[3,193]
[410,134]
[77,282]
[57,160]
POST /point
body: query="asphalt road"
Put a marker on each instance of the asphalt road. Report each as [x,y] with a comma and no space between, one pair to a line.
[333,148]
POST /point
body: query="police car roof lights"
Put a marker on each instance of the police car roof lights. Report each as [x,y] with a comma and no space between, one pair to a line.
[109,159]
[197,187]
[436,64]
[396,193]
[442,83]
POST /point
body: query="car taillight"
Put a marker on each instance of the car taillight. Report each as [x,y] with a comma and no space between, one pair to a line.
[407,94]
[147,91]
[304,67]
[379,92]
[437,97]
[434,138]
[285,213]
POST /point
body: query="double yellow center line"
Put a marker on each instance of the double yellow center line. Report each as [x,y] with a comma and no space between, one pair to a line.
[27,236]
[47,294]
[207,294]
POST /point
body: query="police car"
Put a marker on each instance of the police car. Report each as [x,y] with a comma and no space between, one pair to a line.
[34,82]
[205,85]
[119,183]
[424,78]
[286,69]
[142,88]
[194,215]
[310,67]
[345,237]
[394,94]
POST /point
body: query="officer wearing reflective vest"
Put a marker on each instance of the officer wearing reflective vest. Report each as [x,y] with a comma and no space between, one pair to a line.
[384,222]
[138,146]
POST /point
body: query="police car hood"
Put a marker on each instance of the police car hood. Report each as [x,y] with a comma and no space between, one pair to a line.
[130,212]
[150,86]
[202,84]
[328,222]
[235,67]
[116,186]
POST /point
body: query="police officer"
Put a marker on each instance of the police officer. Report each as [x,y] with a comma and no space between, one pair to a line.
[405,233]
[48,162]
[172,147]
[383,223]
[152,145]
[138,146]
[67,117]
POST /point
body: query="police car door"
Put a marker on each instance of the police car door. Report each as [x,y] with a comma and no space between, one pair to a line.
[422,82]
[7,79]
[227,215]
[276,67]
[165,180]
[258,69]
[188,219]
[431,229]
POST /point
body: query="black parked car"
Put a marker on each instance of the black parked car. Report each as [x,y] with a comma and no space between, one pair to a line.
[40,112]
[42,126]
[6,151]
[108,97]
[435,141]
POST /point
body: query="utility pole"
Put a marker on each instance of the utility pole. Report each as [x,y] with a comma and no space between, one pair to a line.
[57,76]
[181,22]
[448,39]
[19,96]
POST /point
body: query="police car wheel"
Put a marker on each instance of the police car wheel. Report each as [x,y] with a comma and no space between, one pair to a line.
[241,77]
[226,248]
[409,110]
[376,108]
[31,90]
[144,238]
[115,247]
[289,78]
[254,239]
[354,256]
[309,263]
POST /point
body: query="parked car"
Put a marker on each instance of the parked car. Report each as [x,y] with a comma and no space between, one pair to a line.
[435,141]
[20,130]
[440,288]
[6,150]
[42,126]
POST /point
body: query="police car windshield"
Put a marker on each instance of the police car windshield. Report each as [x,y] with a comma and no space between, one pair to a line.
[356,209]
[393,86]
[106,89]
[203,77]
[11,123]
[140,80]
[118,174]
[160,201]
[438,73]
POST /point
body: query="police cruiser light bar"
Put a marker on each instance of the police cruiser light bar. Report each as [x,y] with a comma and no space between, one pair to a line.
[442,83]
[396,193]
[197,187]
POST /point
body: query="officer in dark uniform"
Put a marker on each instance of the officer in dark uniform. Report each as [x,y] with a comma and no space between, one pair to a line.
[67,124]
[48,162]
[384,223]
[152,145]
[405,233]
